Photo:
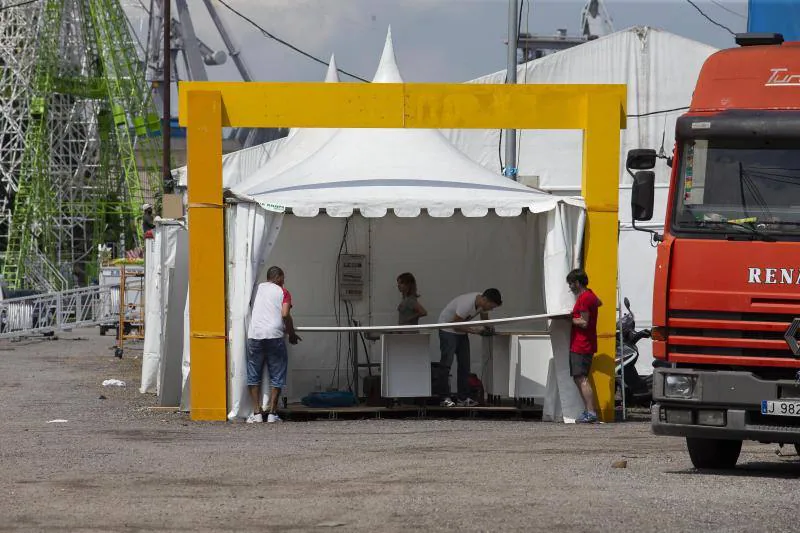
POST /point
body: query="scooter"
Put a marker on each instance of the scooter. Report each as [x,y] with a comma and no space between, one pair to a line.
[638,389]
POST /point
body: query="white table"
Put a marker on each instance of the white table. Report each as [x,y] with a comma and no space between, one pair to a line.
[405,365]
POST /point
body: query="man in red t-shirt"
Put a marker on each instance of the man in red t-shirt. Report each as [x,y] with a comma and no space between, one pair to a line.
[583,340]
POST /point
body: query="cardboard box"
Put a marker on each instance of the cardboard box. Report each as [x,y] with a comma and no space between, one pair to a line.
[172,206]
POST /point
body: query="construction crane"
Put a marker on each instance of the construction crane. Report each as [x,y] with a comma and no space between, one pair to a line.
[81,134]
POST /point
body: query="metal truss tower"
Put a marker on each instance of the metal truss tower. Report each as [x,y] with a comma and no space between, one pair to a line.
[79,138]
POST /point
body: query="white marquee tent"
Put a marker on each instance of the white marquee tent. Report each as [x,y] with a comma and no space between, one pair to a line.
[406,200]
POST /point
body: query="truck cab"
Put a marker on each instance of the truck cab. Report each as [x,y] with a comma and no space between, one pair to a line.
[726,299]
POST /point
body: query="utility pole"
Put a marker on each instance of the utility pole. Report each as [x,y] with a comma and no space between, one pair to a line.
[510,168]
[166,94]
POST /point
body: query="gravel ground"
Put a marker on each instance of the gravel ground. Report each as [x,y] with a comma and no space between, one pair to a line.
[116,465]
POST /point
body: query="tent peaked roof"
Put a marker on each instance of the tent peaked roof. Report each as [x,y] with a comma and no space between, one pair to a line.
[300,143]
[332,75]
[387,71]
[377,170]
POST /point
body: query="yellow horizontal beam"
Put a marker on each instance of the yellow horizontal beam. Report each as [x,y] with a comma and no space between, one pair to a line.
[408,105]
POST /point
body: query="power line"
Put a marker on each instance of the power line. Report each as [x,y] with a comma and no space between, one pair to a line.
[712,21]
[729,10]
[285,43]
[20,4]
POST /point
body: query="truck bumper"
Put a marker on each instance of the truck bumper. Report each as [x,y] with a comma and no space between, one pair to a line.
[724,405]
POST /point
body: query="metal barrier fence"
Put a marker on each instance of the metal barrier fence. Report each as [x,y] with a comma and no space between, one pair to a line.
[73,308]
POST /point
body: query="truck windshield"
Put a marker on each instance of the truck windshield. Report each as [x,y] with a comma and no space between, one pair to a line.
[730,187]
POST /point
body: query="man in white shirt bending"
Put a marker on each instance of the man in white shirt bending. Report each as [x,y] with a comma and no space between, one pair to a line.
[270,322]
[455,341]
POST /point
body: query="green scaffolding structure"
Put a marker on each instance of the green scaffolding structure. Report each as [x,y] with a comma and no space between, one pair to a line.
[87,138]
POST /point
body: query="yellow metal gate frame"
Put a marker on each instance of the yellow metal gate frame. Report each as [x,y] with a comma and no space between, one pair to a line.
[207,107]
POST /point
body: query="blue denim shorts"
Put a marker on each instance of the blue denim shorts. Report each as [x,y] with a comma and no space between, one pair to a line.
[273,351]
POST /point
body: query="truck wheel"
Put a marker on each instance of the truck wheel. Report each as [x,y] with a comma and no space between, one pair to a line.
[714,453]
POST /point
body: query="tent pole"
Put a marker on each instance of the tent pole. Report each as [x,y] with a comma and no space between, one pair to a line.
[510,167]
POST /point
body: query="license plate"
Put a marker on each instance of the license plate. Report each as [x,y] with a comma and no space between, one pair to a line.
[780,408]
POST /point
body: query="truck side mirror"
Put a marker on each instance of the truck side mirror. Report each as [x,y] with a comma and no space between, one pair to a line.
[641,159]
[643,195]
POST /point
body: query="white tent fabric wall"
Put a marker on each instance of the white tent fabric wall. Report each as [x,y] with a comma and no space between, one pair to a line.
[660,70]
[252,232]
[159,258]
[153,312]
[562,253]
[186,404]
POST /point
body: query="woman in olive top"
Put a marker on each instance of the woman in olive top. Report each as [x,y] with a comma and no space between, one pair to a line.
[409,311]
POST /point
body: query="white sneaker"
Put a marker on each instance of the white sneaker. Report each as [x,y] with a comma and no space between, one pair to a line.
[469,402]
[447,402]
[271,418]
[255,418]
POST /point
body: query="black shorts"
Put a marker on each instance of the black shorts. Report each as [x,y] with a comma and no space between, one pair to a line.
[579,364]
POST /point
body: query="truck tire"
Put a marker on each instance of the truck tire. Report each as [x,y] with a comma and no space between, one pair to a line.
[714,453]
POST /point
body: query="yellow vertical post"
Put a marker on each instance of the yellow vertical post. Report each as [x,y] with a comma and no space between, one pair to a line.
[600,189]
[206,257]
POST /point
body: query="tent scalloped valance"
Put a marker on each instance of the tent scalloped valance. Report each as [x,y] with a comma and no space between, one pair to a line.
[344,211]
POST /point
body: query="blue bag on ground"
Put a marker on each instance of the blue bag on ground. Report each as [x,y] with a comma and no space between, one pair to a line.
[329,399]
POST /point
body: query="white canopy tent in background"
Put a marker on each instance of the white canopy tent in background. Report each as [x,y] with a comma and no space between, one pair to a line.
[660,70]
[160,256]
[408,201]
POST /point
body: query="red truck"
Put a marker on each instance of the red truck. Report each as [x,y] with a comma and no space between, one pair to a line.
[726,298]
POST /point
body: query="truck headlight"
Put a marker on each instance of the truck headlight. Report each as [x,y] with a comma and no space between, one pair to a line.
[679,386]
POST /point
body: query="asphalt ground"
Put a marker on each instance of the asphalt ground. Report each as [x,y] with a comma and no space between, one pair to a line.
[117,465]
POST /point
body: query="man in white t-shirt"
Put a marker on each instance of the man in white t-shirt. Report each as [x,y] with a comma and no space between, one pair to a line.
[270,322]
[455,341]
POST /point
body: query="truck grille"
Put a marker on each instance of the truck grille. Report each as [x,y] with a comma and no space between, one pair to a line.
[757,335]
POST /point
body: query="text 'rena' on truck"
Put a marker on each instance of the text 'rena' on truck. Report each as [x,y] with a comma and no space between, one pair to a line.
[726,298]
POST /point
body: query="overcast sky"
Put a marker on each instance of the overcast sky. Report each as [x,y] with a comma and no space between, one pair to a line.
[435,40]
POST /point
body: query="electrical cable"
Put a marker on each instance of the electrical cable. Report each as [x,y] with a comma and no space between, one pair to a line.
[19,4]
[712,21]
[286,43]
[729,10]
[337,303]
